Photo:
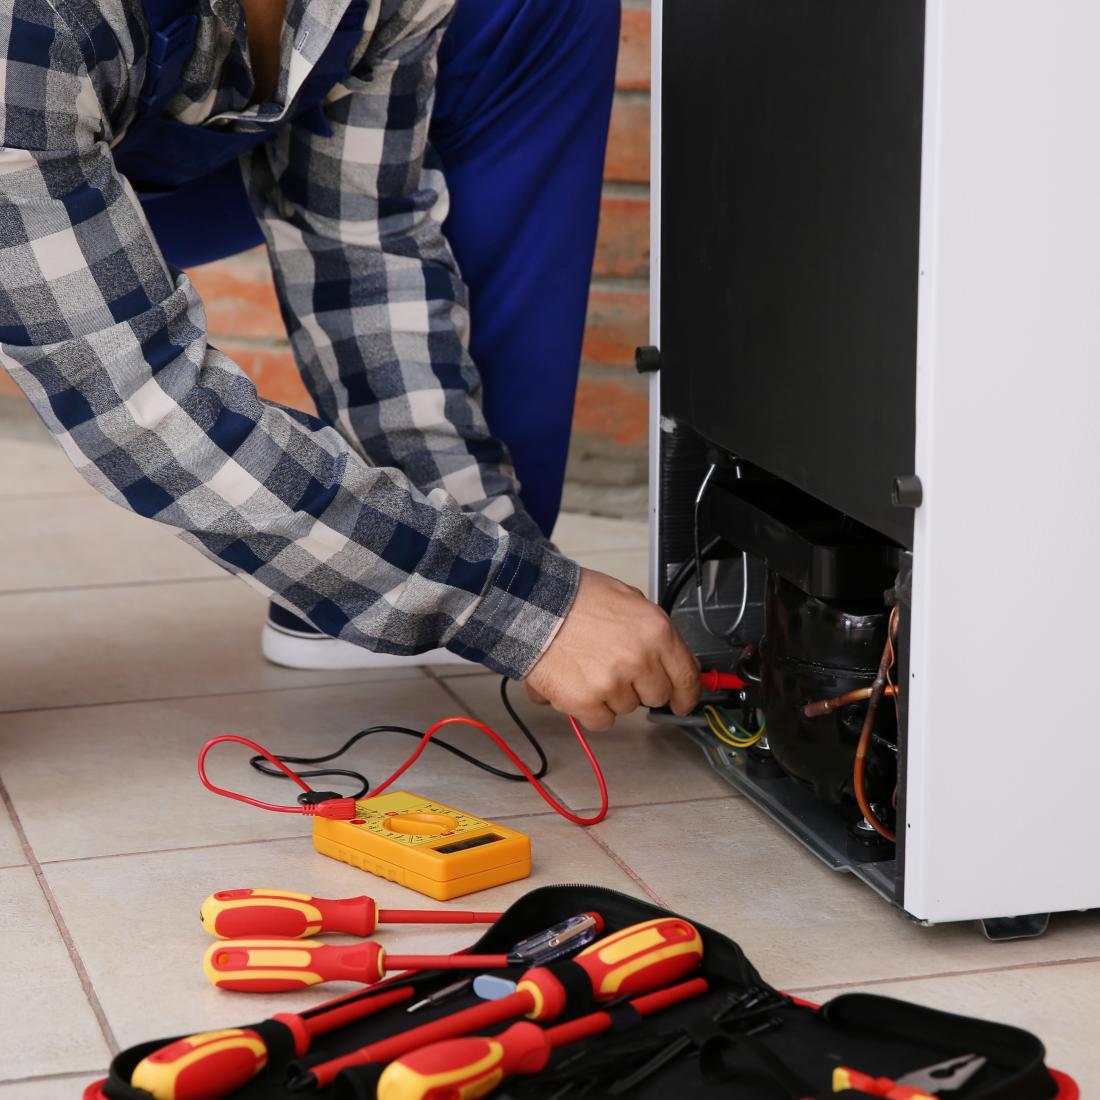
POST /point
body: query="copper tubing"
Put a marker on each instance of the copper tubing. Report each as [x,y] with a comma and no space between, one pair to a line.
[827,706]
[877,690]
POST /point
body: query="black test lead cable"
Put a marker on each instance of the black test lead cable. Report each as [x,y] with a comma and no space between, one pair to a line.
[262,766]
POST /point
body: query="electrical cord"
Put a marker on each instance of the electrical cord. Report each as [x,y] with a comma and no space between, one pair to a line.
[726,635]
[684,573]
[259,761]
[730,732]
[323,804]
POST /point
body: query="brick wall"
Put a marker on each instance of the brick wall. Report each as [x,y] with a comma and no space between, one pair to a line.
[607,461]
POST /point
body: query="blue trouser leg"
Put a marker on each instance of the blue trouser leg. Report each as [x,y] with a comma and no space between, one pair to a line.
[520,123]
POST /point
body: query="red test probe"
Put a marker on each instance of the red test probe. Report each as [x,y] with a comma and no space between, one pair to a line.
[213,1064]
[712,680]
[472,1067]
[639,959]
[233,913]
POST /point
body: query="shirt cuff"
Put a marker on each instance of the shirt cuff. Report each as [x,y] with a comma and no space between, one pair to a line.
[517,618]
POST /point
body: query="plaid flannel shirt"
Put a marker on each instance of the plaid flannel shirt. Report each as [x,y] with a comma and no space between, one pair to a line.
[395,522]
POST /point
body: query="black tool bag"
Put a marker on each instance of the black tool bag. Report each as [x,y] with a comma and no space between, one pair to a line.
[741,1038]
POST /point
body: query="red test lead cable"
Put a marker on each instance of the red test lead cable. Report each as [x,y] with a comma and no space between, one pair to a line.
[344,808]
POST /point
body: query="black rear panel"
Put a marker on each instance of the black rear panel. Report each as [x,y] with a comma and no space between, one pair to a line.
[791,138]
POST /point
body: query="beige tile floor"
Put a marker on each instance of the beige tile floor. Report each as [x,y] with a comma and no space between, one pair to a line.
[121,652]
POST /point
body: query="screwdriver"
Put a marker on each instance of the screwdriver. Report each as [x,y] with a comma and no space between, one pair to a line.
[635,960]
[281,965]
[230,914]
[472,1067]
[213,1064]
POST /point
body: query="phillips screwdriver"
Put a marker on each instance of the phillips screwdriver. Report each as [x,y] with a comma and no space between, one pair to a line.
[230,914]
[281,965]
[213,1064]
[472,1067]
[639,959]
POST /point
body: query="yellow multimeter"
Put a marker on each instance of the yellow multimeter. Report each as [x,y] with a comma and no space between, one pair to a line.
[425,845]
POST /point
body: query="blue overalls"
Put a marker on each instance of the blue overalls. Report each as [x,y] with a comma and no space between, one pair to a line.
[523,99]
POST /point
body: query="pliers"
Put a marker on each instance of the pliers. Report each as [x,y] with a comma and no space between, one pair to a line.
[922,1084]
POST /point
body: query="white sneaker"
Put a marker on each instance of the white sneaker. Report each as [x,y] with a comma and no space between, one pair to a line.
[294,643]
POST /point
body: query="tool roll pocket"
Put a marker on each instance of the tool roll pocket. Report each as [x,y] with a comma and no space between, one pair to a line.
[741,1037]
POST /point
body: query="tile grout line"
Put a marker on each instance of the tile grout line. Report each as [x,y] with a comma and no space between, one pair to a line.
[59,921]
[188,698]
[287,839]
[1039,965]
[68,1075]
[626,868]
[173,851]
[45,494]
[110,585]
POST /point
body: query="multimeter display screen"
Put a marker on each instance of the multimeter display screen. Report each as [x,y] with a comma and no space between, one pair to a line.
[464,845]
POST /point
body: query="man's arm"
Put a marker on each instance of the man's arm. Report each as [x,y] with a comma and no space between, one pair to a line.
[111,348]
[374,302]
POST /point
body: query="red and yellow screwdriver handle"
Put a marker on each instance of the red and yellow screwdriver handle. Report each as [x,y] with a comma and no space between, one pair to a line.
[845,1079]
[211,1064]
[464,1069]
[283,965]
[643,957]
[280,965]
[637,959]
[231,914]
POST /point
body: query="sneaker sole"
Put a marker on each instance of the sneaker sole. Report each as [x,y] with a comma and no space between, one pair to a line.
[319,653]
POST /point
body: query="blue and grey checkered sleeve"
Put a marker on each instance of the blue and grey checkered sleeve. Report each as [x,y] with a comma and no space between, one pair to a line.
[110,346]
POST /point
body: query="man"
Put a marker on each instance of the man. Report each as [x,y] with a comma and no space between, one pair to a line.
[136,139]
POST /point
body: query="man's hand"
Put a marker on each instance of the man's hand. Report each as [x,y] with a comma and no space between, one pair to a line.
[614,652]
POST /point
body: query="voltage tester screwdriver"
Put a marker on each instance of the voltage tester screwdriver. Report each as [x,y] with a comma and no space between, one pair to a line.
[472,1067]
[231,914]
[282,965]
[639,959]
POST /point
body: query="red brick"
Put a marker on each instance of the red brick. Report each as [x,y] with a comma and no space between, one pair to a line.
[240,301]
[628,143]
[618,321]
[612,410]
[622,247]
[275,374]
[633,71]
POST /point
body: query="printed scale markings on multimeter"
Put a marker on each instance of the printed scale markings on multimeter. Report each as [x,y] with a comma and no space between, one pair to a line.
[421,822]
[425,845]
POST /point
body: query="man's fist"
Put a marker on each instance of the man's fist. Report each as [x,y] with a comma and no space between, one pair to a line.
[614,652]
